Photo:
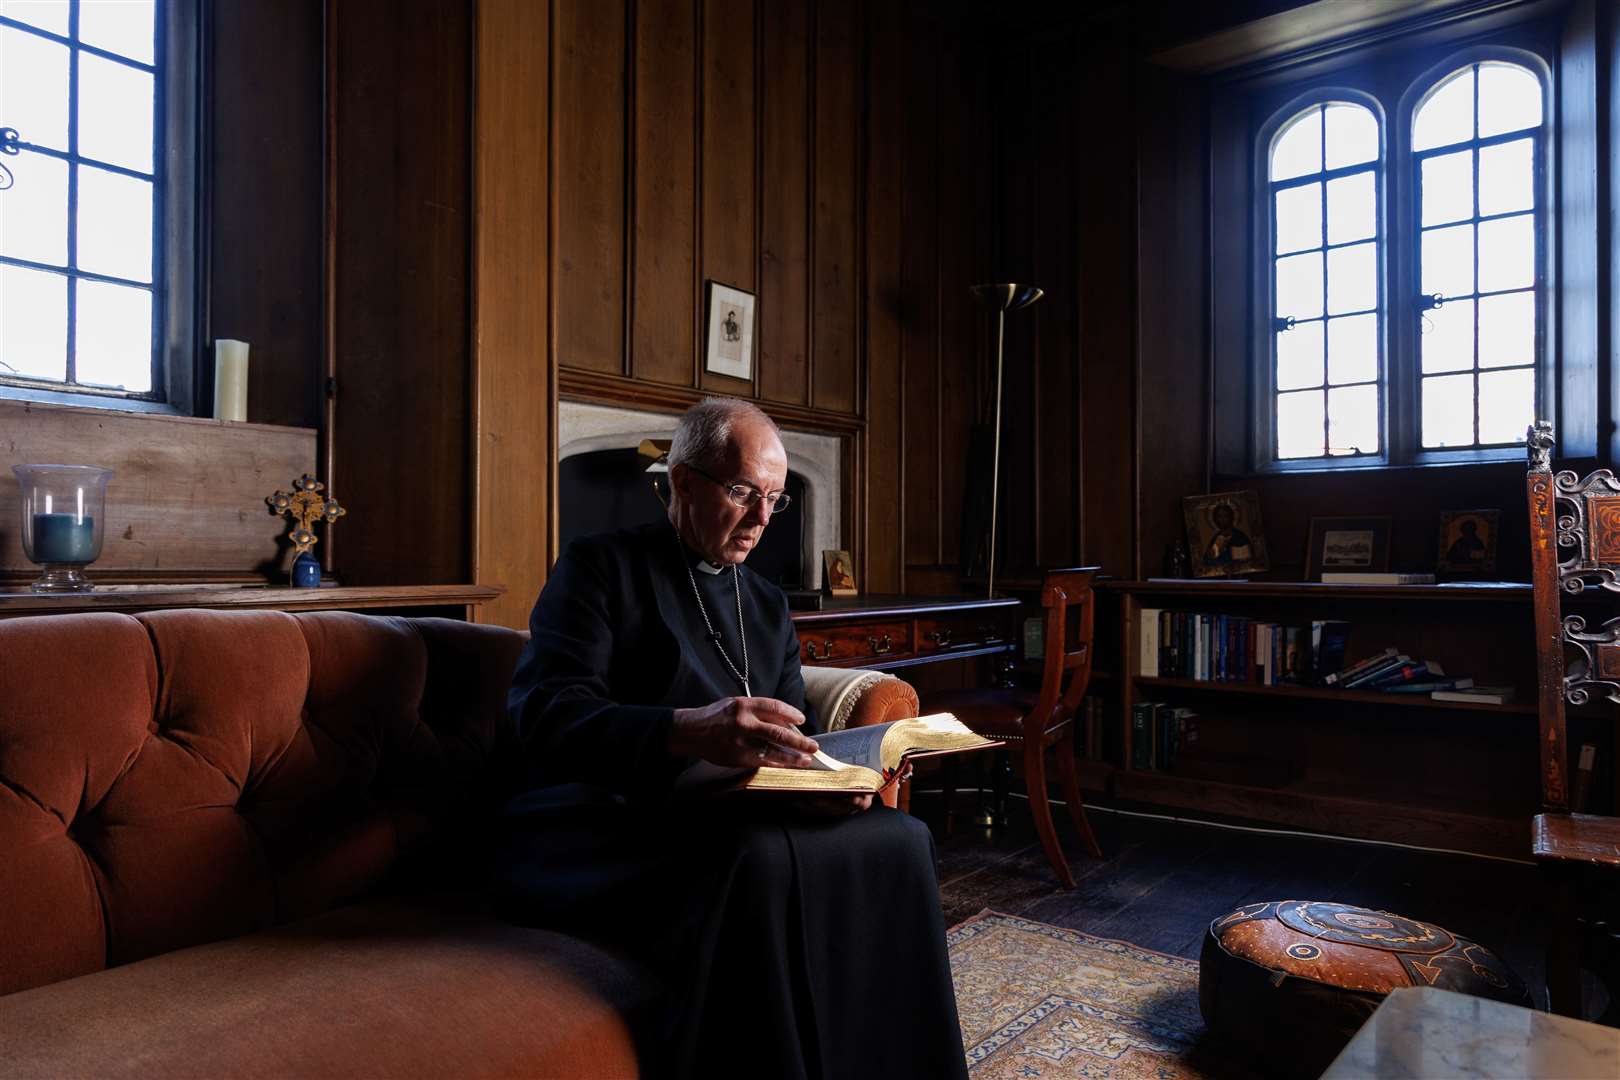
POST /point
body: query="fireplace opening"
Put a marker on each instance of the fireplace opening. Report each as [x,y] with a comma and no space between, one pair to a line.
[601,490]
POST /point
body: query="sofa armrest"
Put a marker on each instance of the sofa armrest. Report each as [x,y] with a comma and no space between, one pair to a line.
[855,697]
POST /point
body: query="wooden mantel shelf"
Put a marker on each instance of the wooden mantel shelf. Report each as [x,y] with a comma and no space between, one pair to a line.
[128,598]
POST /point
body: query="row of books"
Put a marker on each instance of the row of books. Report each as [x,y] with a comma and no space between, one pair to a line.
[1235,648]
[1159,733]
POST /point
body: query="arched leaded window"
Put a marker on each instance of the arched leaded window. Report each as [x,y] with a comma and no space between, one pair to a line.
[1323,170]
[1477,153]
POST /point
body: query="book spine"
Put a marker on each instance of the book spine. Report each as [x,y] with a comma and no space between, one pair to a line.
[1141,748]
[1429,686]
[1166,649]
[1358,667]
[1147,662]
[1390,664]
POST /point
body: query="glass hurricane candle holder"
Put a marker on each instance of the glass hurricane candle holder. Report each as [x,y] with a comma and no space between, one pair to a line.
[63,516]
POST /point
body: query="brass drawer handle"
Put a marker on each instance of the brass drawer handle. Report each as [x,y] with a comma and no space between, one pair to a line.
[810,650]
[879,647]
[941,638]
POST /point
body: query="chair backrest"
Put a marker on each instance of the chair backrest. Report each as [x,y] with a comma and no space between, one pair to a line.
[1070,609]
[1574,547]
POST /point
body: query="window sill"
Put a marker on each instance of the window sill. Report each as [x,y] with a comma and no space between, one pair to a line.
[1424,462]
[110,403]
[14,405]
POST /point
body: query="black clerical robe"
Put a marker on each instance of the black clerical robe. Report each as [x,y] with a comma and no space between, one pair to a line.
[789,946]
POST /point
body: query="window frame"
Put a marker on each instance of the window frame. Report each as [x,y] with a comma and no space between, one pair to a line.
[176,224]
[1543,178]
[1395,69]
[1263,431]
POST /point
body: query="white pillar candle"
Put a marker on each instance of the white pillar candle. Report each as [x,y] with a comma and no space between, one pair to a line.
[230,379]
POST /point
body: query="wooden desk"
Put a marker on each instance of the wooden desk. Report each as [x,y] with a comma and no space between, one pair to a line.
[1424,1032]
[891,632]
[454,600]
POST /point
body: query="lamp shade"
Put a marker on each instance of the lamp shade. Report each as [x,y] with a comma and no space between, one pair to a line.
[1006,296]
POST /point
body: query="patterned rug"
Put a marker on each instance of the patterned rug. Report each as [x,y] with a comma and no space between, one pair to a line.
[1038,1001]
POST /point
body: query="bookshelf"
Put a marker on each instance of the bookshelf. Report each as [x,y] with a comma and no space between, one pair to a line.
[1364,763]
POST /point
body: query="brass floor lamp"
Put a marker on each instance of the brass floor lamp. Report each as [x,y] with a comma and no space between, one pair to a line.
[1000,298]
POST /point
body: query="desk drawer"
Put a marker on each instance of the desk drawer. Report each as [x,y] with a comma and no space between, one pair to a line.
[862,641]
[959,632]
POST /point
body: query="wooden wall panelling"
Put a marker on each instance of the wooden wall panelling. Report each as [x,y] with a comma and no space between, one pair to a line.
[729,169]
[963,195]
[264,232]
[402,294]
[835,290]
[1025,122]
[924,445]
[515,383]
[664,177]
[1057,407]
[186,501]
[784,284]
[1107,346]
[1172,314]
[589,183]
[883,541]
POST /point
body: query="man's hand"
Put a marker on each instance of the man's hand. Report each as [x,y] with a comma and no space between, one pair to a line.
[742,731]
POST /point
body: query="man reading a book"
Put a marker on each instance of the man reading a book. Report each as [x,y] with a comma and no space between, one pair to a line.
[795,938]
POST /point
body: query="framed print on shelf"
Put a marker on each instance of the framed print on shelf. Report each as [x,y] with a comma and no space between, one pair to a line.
[1468,542]
[1224,534]
[839,573]
[729,344]
[1359,544]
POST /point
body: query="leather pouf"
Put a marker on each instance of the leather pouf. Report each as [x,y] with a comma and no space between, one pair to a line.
[1293,980]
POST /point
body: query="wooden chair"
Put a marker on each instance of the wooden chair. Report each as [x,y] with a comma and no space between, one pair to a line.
[1043,720]
[1574,549]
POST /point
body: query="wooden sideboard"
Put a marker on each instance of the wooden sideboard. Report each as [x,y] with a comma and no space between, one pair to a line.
[457,601]
[892,632]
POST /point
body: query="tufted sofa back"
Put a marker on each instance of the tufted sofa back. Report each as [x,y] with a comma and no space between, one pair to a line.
[185,776]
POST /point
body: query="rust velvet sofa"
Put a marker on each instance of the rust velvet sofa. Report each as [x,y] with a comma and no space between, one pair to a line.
[250,844]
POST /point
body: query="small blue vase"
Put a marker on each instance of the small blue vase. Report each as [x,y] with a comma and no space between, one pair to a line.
[306,572]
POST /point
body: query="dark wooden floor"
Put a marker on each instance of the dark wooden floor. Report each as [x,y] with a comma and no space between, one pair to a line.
[1159,884]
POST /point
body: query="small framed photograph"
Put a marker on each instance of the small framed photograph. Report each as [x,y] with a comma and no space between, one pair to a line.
[729,343]
[1347,543]
[1224,534]
[1468,542]
[838,577]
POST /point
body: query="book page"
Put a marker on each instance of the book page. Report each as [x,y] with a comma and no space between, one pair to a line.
[862,746]
[939,731]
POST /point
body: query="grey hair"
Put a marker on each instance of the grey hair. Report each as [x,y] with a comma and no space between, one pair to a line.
[705,430]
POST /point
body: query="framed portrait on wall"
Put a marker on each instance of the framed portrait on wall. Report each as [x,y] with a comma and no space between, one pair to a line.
[729,340]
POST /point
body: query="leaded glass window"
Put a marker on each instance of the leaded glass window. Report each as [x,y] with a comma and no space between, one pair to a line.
[81,83]
[1324,172]
[1477,152]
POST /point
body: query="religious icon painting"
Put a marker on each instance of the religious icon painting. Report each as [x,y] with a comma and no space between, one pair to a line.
[729,348]
[1224,534]
[1468,542]
[839,573]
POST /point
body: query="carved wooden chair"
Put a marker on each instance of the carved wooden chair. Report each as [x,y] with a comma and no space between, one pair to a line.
[1574,549]
[1046,719]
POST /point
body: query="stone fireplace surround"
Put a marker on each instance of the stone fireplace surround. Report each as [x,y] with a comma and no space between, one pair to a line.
[818,459]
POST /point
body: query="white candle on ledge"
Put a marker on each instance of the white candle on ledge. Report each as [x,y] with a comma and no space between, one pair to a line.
[230,379]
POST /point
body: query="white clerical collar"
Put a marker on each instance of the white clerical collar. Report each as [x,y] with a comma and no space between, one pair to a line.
[704,566]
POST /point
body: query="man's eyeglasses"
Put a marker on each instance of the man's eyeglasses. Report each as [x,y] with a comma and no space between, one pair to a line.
[746,495]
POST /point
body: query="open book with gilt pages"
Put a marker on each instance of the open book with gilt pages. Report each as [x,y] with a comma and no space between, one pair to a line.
[855,761]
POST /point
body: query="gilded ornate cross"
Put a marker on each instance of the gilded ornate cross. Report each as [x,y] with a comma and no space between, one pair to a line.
[306,505]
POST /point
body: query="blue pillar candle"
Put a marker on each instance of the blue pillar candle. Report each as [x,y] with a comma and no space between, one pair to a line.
[63,538]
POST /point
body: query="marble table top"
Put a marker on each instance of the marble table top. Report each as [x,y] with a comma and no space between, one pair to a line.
[1426,1033]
